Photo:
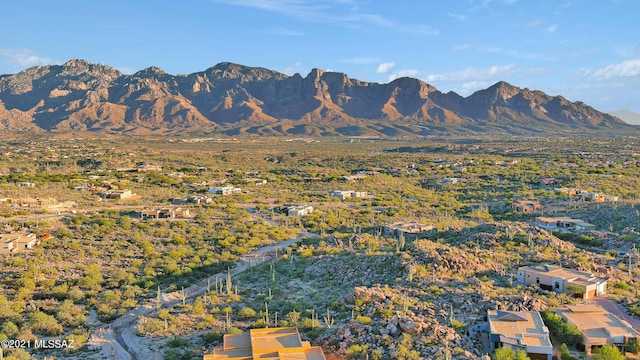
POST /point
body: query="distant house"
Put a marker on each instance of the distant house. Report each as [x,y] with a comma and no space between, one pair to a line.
[563,223]
[409,229]
[452,180]
[299,210]
[580,283]
[116,194]
[8,244]
[16,242]
[268,343]
[224,190]
[120,194]
[149,168]
[569,191]
[598,327]
[548,181]
[520,330]
[165,213]
[255,181]
[191,200]
[526,206]
[345,194]
[25,184]
[596,197]
[29,202]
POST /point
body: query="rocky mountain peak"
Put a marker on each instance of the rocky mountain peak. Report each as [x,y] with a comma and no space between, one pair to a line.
[239,99]
[152,71]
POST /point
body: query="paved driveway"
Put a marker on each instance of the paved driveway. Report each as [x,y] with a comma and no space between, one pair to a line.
[618,310]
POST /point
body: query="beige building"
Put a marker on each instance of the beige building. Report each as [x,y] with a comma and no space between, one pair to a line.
[224,190]
[527,206]
[520,330]
[299,210]
[347,194]
[560,280]
[563,223]
[410,229]
[269,344]
[165,213]
[598,326]
[16,242]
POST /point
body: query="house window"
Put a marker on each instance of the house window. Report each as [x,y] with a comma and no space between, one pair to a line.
[537,280]
[557,285]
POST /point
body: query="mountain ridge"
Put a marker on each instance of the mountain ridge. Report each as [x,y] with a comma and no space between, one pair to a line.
[236,99]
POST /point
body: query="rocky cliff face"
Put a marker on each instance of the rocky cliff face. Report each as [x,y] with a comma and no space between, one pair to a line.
[239,99]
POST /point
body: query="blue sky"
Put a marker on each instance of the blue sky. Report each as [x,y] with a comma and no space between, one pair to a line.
[585,50]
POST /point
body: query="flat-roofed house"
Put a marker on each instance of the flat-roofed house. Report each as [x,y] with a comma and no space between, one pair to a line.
[8,244]
[561,280]
[520,330]
[563,223]
[269,343]
[165,213]
[598,326]
[26,241]
[16,242]
[347,194]
[527,206]
[224,190]
[409,229]
[299,210]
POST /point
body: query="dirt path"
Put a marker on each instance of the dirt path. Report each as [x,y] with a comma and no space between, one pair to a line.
[119,340]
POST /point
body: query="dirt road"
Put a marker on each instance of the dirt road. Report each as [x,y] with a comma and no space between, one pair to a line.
[118,340]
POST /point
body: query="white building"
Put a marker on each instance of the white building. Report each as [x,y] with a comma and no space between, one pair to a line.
[224,190]
[347,194]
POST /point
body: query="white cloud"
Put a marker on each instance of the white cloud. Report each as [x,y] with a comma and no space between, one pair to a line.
[339,12]
[296,68]
[458,17]
[552,28]
[533,23]
[403,73]
[385,67]
[628,68]
[462,47]
[470,87]
[126,70]
[25,58]
[473,74]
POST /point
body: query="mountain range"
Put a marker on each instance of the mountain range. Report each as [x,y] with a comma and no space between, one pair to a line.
[235,99]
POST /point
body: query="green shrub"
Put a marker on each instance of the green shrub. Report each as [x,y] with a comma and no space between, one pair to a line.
[45,324]
[622,285]
[212,337]
[365,320]
[177,342]
[247,313]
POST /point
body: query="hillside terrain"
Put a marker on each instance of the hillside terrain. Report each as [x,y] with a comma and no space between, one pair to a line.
[234,99]
[154,248]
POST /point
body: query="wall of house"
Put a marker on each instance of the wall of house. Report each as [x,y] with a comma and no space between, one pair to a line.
[530,278]
[602,289]
[560,281]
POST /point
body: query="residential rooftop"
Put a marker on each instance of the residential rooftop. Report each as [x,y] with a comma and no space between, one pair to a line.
[519,328]
[269,343]
[573,276]
[597,324]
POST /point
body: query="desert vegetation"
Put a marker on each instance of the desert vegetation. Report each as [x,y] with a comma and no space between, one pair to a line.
[349,285]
